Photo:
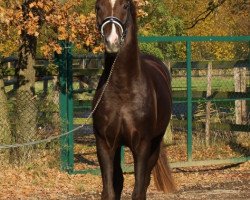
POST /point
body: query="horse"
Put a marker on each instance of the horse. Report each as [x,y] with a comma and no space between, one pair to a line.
[132,105]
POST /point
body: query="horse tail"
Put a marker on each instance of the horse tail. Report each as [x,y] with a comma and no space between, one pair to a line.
[162,174]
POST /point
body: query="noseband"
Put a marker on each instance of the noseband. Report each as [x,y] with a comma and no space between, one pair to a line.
[116,21]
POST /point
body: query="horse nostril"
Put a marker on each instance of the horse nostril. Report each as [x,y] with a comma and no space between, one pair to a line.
[112,41]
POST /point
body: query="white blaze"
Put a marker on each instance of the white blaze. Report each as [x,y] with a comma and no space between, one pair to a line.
[113,37]
[112,3]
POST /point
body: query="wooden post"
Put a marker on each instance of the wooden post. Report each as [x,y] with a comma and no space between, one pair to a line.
[168,137]
[9,66]
[208,107]
[243,83]
[45,84]
[240,86]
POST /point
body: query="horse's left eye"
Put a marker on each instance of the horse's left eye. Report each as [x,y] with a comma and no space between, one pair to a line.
[126,5]
[97,8]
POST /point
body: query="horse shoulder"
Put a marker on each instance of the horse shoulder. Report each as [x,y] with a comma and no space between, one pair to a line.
[155,68]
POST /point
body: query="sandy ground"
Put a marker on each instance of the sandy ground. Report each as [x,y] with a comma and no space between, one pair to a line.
[203,183]
[211,184]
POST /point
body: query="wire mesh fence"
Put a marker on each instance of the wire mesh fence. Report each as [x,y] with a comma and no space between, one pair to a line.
[29,110]
[216,106]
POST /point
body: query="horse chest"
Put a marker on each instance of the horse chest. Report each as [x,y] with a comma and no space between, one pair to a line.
[123,113]
[122,105]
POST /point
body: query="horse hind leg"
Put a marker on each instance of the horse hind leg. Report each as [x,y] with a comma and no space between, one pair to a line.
[144,166]
[118,175]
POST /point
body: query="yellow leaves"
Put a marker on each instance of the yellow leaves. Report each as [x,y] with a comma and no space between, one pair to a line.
[1,14]
[98,49]
[36,34]
[9,46]
[57,48]
[144,32]
[49,49]
[140,4]
[62,33]
[224,51]
[31,15]
[33,4]
[32,26]
[40,4]
[51,21]
[7,15]
[82,18]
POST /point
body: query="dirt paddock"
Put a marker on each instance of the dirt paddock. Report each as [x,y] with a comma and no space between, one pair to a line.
[226,182]
[206,183]
[236,190]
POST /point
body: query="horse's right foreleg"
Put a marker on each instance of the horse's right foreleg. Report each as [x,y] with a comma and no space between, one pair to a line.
[106,157]
[118,175]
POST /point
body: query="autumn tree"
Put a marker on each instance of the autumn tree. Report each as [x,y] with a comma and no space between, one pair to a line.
[32,23]
[214,18]
[157,20]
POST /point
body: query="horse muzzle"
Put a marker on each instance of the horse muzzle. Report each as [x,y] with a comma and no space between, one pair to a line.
[115,39]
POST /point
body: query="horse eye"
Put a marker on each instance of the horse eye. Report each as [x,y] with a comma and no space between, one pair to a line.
[126,5]
[97,8]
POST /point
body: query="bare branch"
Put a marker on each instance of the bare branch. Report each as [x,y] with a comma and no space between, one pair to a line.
[212,6]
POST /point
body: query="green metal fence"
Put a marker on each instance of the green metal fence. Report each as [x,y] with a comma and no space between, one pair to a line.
[188,97]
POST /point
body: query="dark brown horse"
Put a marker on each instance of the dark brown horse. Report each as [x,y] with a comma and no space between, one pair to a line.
[135,108]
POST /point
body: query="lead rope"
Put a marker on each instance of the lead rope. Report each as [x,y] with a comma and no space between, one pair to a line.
[103,91]
[8,146]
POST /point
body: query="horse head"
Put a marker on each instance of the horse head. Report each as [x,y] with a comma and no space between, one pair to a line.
[113,18]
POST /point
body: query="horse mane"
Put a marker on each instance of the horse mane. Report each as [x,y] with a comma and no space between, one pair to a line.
[133,14]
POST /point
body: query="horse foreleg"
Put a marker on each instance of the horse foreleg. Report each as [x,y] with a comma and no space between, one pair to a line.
[118,175]
[141,155]
[106,158]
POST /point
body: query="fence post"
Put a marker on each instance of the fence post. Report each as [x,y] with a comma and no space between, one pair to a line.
[208,106]
[189,101]
[168,136]
[70,105]
[240,86]
[64,62]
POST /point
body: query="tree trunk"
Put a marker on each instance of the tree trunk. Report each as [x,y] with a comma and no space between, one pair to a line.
[208,107]
[5,126]
[55,97]
[26,110]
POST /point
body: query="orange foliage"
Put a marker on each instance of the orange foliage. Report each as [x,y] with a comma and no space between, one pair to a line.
[229,19]
[49,21]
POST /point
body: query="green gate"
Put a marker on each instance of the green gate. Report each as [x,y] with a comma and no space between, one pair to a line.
[191,98]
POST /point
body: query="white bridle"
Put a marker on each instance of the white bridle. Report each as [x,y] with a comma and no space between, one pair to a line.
[116,21]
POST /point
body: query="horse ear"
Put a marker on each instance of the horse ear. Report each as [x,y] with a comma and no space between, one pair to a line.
[97,24]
